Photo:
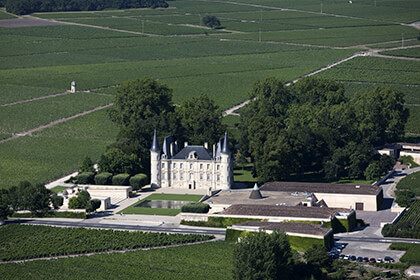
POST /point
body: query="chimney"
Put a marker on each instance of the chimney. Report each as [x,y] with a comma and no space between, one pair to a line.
[206,145]
[214,150]
[185,144]
[172,149]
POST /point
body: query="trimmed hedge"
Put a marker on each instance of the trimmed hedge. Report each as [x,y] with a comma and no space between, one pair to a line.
[138,181]
[86,178]
[220,222]
[121,179]
[196,207]
[104,178]
[53,214]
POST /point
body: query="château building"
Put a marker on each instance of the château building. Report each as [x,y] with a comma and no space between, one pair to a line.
[193,167]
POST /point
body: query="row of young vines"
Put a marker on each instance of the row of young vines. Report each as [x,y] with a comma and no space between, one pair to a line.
[19,242]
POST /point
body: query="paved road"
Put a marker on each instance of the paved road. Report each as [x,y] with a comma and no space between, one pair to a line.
[377,239]
[88,224]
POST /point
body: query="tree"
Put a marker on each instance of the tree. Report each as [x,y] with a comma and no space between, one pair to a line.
[201,120]
[386,163]
[211,21]
[263,256]
[57,201]
[380,115]
[87,165]
[115,161]
[5,209]
[80,201]
[317,255]
[140,107]
[373,171]
[92,205]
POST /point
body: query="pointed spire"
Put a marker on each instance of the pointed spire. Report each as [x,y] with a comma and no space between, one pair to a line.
[155,145]
[225,148]
[256,188]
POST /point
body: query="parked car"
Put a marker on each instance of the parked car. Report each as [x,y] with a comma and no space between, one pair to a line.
[359,259]
[388,259]
[365,259]
[352,258]
[372,260]
[346,257]
[341,257]
[379,260]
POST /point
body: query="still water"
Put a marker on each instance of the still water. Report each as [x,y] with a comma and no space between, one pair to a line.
[169,204]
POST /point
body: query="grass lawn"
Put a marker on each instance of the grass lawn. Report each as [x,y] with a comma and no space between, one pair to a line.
[160,211]
[58,189]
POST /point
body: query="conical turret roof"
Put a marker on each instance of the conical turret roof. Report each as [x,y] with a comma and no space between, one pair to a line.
[225,148]
[255,193]
[155,145]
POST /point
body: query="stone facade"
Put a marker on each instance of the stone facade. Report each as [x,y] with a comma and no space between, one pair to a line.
[193,167]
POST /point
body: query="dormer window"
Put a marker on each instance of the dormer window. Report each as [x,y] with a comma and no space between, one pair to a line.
[192,155]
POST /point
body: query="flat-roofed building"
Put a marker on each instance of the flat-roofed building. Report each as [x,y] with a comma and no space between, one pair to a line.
[358,197]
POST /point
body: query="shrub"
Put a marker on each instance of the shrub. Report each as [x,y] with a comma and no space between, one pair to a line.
[87,165]
[196,207]
[104,178]
[85,178]
[138,181]
[121,179]
[57,201]
[92,205]
[404,198]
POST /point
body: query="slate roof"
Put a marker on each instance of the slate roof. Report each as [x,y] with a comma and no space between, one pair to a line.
[320,188]
[305,228]
[202,153]
[283,211]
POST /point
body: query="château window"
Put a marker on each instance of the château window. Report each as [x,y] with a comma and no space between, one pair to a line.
[174,176]
[201,176]
[208,166]
[190,165]
[181,176]
[218,167]
[174,165]
[163,165]
[191,176]
[181,165]
[201,166]
[218,177]
[208,177]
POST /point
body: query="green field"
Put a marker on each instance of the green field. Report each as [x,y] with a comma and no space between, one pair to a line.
[28,241]
[414,52]
[21,117]
[160,211]
[191,59]
[411,183]
[55,151]
[412,255]
[211,260]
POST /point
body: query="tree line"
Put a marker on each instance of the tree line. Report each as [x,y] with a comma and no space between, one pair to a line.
[313,127]
[26,196]
[23,7]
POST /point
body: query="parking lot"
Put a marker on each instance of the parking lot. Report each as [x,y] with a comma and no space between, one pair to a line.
[370,250]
